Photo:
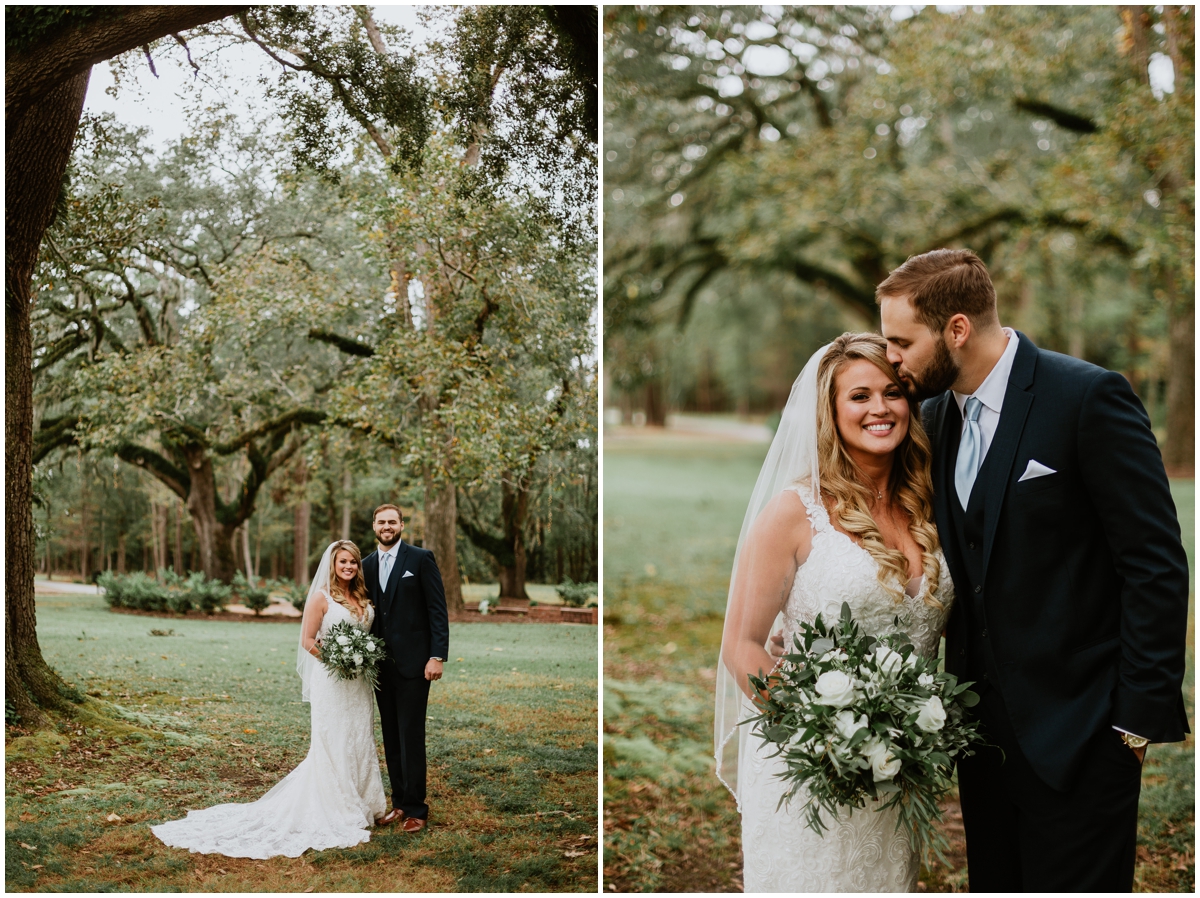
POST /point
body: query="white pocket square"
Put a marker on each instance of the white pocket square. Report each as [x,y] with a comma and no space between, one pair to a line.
[1035,469]
[410,573]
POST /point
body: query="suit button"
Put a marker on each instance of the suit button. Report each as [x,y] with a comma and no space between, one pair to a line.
[985,634]
[979,589]
[984,678]
[970,545]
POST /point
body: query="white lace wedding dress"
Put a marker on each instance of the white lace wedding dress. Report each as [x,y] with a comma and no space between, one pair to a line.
[328,801]
[861,851]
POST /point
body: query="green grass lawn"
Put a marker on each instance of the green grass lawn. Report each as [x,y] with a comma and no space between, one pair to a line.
[673,509]
[511,742]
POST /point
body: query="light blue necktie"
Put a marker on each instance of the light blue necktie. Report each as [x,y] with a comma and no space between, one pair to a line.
[970,453]
[385,568]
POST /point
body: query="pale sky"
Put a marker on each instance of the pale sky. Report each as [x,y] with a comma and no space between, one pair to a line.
[160,104]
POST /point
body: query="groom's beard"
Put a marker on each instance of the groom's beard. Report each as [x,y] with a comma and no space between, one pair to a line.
[937,377]
[387,544]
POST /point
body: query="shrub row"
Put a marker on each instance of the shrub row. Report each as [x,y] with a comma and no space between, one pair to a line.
[575,594]
[171,592]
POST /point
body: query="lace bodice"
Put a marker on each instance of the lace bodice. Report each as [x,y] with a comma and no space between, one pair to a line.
[861,851]
[336,613]
[839,570]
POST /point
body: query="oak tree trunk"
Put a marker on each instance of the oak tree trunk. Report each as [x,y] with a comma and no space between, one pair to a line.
[45,87]
[441,536]
[212,536]
[514,509]
[38,146]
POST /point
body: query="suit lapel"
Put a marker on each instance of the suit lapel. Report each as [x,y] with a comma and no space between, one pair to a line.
[947,422]
[1017,402]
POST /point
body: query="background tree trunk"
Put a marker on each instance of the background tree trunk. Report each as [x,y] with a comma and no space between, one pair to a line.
[212,536]
[249,564]
[441,536]
[514,510]
[300,532]
[347,484]
[1179,454]
[178,559]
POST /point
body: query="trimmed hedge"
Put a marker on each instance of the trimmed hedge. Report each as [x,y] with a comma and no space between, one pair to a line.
[168,592]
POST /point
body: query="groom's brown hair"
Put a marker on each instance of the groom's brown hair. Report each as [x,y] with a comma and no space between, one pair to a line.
[395,508]
[943,283]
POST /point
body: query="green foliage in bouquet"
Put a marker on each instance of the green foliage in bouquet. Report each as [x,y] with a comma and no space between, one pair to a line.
[348,653]
[857,718]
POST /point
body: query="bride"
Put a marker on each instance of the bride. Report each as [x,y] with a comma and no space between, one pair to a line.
[336,792]
[842,512]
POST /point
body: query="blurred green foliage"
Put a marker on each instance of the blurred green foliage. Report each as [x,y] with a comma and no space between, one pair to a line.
[767,166]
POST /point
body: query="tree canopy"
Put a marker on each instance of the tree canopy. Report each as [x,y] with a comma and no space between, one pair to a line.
[781,161]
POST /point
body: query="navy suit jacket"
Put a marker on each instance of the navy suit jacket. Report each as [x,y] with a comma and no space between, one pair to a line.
[1085,580]
[410,615]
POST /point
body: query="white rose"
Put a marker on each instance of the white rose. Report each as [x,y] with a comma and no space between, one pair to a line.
[932,716]
[912,659]
[925,679]
[835,688]
[889,662]
[370,646]
[847,724]
[343,640]
[357,659]
[884,766]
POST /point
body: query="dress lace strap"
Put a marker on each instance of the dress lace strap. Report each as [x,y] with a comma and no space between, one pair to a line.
[818,515]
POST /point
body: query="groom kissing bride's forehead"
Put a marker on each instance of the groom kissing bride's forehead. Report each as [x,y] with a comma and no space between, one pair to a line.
[1054,512]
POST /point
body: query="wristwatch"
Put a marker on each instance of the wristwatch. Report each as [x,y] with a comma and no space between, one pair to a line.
[1135,742]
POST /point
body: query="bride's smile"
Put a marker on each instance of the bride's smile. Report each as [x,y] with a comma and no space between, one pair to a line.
[872,412]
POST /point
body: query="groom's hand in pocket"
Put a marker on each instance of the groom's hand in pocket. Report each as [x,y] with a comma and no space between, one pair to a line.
[433,670]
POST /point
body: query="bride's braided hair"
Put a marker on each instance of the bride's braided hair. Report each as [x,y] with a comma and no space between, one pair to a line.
[358,587]
[848,488]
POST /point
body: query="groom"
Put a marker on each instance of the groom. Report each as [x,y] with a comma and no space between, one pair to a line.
[405,587]
[1059,530]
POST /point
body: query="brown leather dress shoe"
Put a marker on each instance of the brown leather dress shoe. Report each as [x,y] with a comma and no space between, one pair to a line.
[390,817]
[413,824]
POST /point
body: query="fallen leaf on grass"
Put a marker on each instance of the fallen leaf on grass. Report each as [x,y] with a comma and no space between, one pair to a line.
[113,818]
[574,853]
[28,847]
[37,867]
[222,872]
[309,889]
[249,731]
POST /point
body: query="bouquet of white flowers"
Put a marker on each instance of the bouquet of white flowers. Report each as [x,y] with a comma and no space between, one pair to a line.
[859,717]
[348,653]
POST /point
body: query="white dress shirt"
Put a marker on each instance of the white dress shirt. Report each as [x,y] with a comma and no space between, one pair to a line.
[990,394]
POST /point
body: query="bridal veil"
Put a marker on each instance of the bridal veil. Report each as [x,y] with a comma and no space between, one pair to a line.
[791,458]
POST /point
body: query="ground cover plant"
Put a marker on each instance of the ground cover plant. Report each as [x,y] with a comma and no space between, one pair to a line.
[673,508]
[214,714]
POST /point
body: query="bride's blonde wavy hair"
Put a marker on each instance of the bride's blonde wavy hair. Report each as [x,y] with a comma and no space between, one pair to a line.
[358,587]
[847,486]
